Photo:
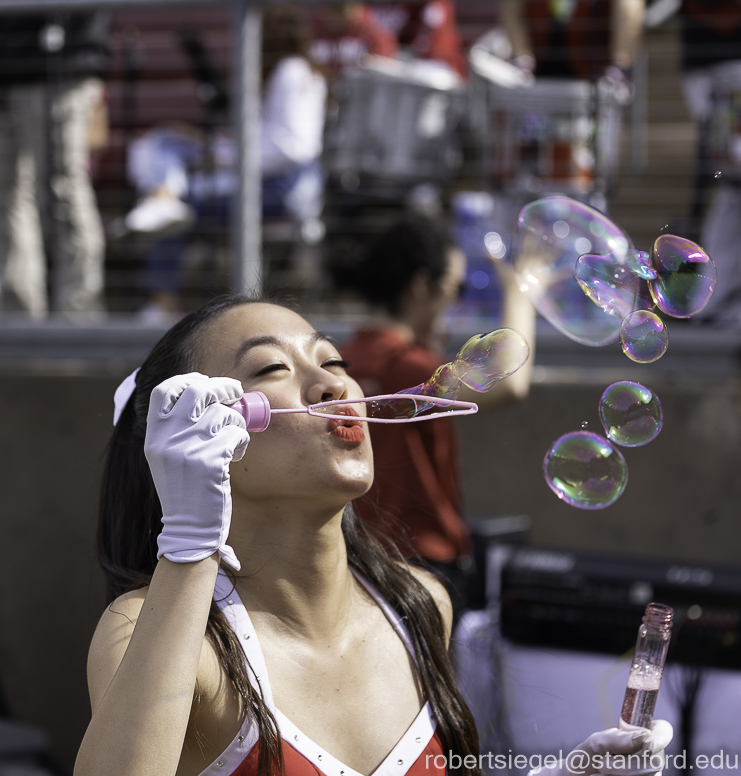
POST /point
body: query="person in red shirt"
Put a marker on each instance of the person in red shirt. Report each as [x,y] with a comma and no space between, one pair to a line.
[344,33]
[411,273]
[425,30]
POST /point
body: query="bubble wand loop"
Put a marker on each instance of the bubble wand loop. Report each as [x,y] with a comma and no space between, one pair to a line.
[403,408]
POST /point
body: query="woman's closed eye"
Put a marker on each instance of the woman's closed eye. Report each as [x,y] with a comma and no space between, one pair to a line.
[270,368]
[340,363]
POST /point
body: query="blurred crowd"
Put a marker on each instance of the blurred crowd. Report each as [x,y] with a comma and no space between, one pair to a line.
[368,113]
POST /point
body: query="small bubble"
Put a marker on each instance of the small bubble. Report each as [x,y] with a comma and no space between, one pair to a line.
[585,470]
[718,174]
[686,276]
[630,413]
[666,226]
[584,423]
[643,337]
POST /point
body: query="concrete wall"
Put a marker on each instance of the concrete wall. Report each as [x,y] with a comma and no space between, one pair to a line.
[52,434]
[684,491]
[682,501]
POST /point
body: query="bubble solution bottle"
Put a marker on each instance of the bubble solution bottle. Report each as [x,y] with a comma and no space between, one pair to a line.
[647,666]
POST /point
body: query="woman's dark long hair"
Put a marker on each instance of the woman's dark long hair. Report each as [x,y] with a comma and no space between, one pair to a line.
[130,520]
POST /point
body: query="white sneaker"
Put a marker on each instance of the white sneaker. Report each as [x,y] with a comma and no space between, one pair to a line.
[160,215]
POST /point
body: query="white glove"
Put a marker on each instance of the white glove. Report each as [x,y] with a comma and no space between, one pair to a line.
[192,437]
[624,751]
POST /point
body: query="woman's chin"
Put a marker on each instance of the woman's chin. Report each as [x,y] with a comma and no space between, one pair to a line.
[350,480]
[356,479]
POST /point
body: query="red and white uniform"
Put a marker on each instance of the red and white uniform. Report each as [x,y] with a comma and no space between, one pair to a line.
[413,755]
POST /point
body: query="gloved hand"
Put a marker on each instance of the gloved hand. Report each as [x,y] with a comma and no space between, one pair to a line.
[192,437]
[623,751]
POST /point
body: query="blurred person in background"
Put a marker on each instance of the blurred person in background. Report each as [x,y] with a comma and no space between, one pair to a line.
[584,39]
[711,36]
[50,94]
[409,276]
[425,31]
[181,173]
[344,33]
[292,121]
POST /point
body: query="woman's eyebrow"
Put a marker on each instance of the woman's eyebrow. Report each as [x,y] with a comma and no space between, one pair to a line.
[254,342]
[268,339]
[319,337]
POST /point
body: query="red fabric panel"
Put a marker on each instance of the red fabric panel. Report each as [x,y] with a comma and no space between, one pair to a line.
[415,498]
[298,765]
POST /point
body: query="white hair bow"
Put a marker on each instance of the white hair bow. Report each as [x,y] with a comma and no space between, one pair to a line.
[123,394]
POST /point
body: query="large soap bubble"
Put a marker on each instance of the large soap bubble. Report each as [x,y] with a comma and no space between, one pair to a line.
[643,337]
[550,236]
[686,276]
[615,282]
[482,362]
[488,358]
[630,413]
[585,470]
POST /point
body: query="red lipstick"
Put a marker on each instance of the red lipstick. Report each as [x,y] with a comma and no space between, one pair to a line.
[349,430]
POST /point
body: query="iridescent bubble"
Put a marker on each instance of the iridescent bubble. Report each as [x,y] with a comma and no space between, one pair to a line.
[611,282]
[686,276]
[444,382]
[644,337]
[482,362]
[488,358]
[586,471]
[630,413]
[718,174]
[544,254]
[639,263]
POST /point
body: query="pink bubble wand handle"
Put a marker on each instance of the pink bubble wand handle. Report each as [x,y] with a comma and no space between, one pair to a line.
[255,408]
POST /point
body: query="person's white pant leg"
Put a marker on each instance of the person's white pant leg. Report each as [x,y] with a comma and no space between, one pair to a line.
[22,154]
[77,275]
[697,86]
[721,238]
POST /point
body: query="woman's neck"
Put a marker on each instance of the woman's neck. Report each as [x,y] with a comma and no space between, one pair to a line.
[294,568]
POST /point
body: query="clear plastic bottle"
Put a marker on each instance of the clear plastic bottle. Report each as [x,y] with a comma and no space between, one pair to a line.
[648,665]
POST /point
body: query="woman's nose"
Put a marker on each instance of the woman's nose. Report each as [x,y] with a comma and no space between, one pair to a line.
[325,386]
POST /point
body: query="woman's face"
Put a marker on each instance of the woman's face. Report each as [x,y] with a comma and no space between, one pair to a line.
[274,350]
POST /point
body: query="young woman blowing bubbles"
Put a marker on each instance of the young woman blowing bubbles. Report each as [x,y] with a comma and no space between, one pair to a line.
[255,626]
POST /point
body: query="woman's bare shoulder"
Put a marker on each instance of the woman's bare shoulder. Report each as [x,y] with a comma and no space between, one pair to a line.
[110,640]
[439,595]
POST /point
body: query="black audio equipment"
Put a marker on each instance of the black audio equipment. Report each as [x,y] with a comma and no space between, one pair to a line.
[594,602]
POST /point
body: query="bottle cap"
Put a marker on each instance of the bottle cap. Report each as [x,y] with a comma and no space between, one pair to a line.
[658,615]
[255,410]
